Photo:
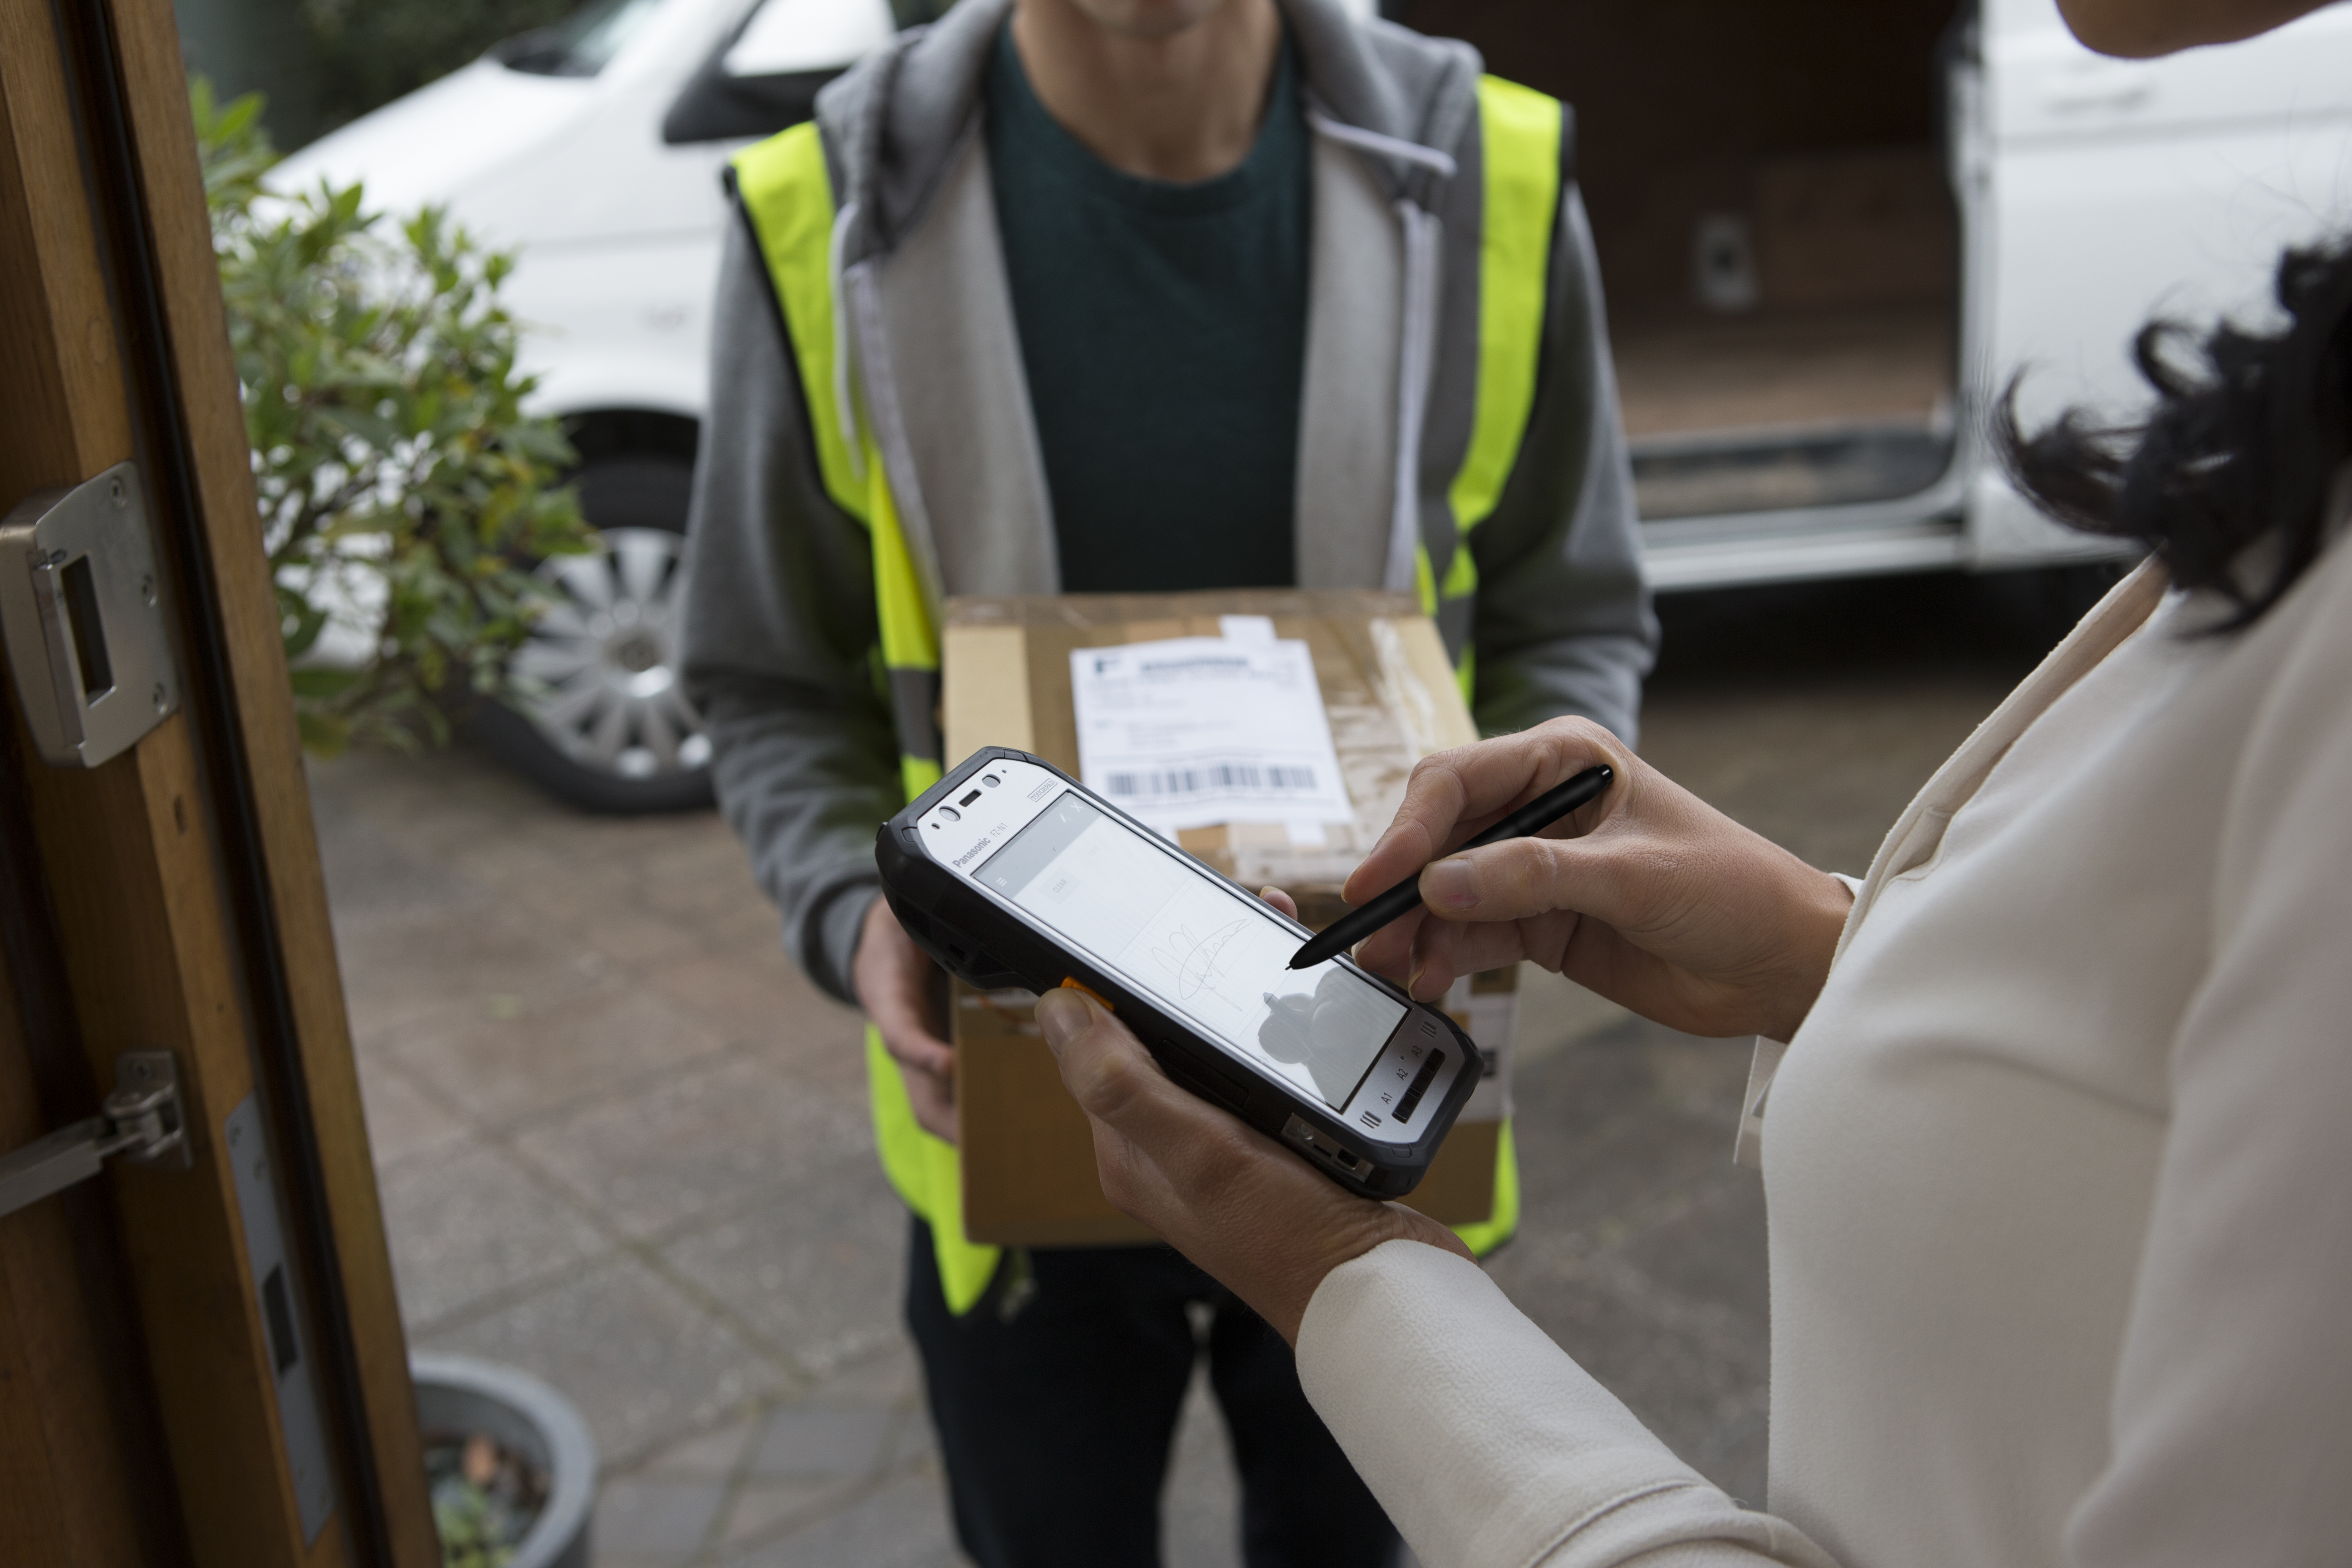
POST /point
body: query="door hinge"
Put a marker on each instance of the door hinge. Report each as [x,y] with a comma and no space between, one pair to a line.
[84,619]
[142,1121]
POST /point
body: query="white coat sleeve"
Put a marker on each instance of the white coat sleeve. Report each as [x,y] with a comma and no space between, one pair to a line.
[1490,1447]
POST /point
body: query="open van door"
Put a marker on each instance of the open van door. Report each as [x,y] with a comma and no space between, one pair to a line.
[1769,195]
[2103,191]
[200,1357]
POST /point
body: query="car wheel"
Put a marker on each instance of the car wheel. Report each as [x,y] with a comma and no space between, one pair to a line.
[606,726]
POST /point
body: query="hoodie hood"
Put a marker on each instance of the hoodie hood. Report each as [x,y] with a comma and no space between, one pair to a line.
[894,124]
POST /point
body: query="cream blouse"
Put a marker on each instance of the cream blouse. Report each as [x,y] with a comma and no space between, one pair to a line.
[2057,1172]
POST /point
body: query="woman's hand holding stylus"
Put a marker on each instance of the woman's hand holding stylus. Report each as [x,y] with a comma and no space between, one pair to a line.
[1648,896]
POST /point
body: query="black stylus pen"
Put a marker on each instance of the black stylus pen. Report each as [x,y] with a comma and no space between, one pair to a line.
[1528,820]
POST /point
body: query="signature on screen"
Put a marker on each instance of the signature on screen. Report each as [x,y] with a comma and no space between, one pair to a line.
[1194,963]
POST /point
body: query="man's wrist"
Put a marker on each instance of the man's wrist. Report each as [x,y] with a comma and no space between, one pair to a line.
[841,933]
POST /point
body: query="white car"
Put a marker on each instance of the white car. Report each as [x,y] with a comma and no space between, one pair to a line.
[1826,254]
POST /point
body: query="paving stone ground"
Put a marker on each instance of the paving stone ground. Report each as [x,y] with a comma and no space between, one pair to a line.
[623,1144]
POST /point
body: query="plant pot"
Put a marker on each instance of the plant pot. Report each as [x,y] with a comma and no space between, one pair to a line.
[458,1394]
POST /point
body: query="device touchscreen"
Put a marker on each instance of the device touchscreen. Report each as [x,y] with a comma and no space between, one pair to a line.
[1205,950]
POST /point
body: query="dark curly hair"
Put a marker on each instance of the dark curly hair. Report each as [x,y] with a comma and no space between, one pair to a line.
[2245,439]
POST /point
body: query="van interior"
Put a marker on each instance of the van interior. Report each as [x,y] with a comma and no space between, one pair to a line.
[1778,238]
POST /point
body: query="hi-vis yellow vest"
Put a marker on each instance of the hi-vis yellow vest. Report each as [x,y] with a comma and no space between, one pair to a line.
[788,196]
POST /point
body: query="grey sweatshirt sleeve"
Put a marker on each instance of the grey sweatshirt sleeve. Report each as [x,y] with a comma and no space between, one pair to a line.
[1564,623]
[781,640]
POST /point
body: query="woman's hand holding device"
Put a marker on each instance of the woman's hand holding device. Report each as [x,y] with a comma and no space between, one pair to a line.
[1648,896]
[1223,1193]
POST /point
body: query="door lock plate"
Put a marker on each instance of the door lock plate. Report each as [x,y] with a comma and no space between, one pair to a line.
[84,619]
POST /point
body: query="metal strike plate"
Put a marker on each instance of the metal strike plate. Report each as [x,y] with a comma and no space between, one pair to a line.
[277,1292]
[84,620]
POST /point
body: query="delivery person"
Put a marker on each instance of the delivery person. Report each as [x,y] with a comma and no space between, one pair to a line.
[1080,296]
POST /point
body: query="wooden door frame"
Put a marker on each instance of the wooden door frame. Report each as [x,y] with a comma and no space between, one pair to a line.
[182,876]
[88,1484]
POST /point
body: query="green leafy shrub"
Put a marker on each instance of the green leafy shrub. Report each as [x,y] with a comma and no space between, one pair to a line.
[403,490]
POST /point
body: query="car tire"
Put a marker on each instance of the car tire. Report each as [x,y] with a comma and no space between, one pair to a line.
[610,729]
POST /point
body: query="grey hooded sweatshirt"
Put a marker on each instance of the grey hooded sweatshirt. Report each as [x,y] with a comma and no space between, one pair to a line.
[782,642]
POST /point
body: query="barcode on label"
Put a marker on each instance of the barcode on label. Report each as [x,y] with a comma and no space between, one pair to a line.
[1210,776]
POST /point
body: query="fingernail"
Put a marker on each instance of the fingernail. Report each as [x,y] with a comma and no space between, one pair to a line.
[1265,894]
[1450,884]
[1061,1017]
[1412,981]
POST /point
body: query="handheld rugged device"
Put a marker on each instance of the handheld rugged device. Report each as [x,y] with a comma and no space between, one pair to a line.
[1011,873]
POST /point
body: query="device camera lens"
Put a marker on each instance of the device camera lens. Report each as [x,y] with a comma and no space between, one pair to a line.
[951,814]
[991,780]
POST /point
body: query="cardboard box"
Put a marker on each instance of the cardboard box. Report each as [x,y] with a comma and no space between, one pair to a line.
[1027,1155]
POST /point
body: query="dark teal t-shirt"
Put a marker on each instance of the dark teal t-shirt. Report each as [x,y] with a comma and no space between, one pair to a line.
[1164,328]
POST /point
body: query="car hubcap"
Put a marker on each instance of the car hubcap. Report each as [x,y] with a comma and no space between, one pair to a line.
[599,672]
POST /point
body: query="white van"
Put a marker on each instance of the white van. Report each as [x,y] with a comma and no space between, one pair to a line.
[1830,235]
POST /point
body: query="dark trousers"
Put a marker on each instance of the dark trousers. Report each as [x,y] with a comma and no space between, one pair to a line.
[1057,1397]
